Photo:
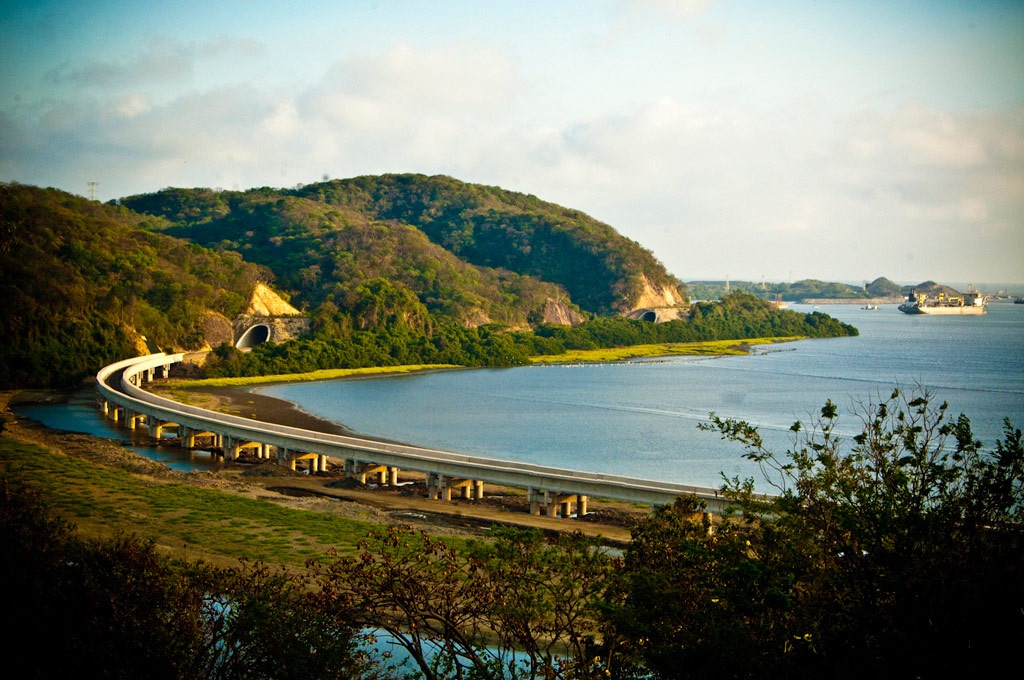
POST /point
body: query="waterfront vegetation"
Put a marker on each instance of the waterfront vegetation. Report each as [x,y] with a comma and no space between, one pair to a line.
[894,553]
[709,348]
[737,317]
[323,374]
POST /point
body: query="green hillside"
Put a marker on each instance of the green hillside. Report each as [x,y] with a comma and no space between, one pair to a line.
[466,252]
[322,253]
[81,281]
[492,227]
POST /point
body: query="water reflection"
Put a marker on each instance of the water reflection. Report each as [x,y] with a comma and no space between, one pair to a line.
[79,414]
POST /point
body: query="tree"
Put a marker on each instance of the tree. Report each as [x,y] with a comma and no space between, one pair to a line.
[894,553]
[117,609]
[515,608]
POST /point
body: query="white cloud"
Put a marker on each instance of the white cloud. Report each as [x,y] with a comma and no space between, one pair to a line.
[404,84]
[163,60]
[711,188]
[131,105]
[678,10]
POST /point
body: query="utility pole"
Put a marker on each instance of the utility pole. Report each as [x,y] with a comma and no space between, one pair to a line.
[92,190]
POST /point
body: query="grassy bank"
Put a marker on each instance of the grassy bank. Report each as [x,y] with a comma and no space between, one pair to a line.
[184,520]
[709,348]
[326,374]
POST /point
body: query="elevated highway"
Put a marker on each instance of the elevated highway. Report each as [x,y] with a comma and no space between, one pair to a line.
[551,490]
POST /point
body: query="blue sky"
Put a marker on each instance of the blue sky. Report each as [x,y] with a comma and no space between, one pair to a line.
[835,140]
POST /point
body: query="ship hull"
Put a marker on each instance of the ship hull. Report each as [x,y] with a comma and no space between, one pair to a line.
[936,311]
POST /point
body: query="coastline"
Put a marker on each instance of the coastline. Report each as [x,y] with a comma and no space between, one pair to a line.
[244,397]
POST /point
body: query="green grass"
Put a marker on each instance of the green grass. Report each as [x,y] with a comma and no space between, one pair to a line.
[178,515]
[326,374]
[709,348]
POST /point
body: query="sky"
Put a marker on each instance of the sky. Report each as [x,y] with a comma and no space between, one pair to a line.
[733,138]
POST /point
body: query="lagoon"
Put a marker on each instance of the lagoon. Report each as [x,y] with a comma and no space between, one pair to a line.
[640,417]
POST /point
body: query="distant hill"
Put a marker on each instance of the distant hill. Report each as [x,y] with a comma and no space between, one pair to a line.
[435,246]
[809,289]
[883,287]
[82,283]
[931,289]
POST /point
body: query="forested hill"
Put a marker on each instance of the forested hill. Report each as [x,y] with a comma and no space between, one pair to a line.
[81,283]
[802,290]
[474,253]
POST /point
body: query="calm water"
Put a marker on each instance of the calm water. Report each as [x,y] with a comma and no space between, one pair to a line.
[640,418]
[80,414]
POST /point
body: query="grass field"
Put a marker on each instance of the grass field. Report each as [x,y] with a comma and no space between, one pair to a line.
[181,518]
[326,374]
[710,348]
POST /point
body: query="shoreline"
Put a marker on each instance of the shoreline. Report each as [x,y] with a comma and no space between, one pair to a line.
[244,397]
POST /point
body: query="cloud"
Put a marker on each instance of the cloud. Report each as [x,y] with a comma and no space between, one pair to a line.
[163,60]
[743,187]
[677,10]
[404,84]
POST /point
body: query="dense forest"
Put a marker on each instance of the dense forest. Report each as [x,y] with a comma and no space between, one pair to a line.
[468,252]
[738,316]
[80,281]
[390,270]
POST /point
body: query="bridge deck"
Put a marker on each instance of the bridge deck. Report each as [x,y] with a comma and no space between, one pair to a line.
[127,393]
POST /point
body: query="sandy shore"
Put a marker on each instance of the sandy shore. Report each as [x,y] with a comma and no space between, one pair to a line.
[248,402]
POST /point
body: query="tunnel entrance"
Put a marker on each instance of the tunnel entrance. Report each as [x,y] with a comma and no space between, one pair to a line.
[650,316]
[257,335]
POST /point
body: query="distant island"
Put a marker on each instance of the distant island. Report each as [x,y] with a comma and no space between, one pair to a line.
[813,291]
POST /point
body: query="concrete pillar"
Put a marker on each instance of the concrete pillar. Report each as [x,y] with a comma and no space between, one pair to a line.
[392,476]
[323,463]
[581,506]
[564,509]
[534,496]
[155,428]
[478,490]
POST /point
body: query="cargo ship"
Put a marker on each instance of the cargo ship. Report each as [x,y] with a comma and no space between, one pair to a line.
[971,302]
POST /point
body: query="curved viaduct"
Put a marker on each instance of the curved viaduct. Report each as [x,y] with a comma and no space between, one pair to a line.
[551,490]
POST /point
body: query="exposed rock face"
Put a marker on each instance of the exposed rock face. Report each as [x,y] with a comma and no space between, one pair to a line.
[654,296]
[475,317]
[558,312]
[217,330]
[266,302]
